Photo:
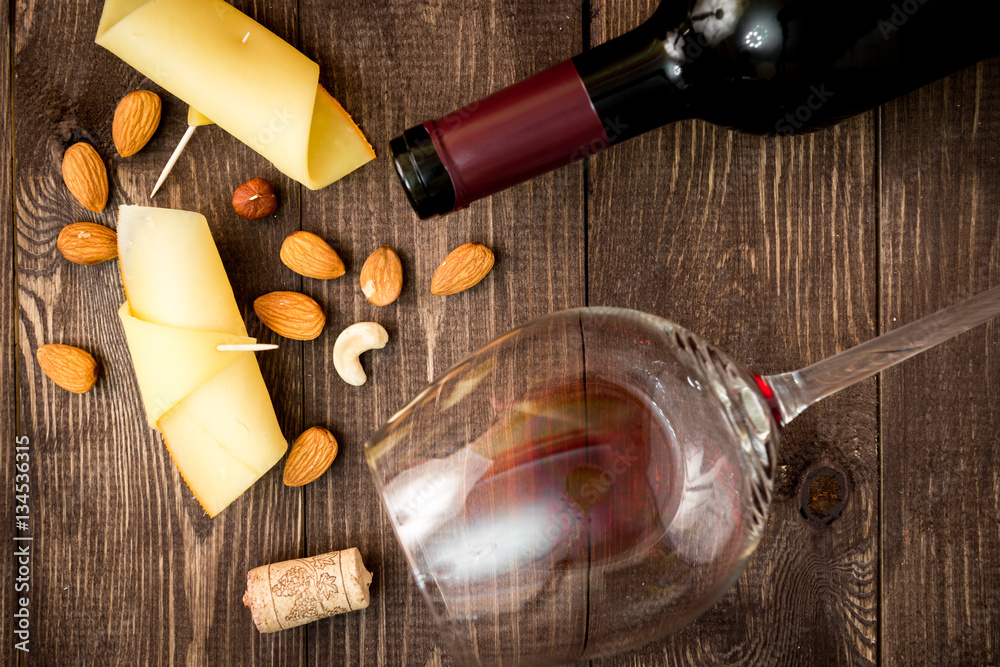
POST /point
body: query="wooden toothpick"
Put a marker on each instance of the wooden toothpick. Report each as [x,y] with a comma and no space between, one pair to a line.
[195,119]
[173,159]
[258,347]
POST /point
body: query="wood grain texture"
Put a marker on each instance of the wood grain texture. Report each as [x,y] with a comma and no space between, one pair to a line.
[777,284]
[767,247]
[781,251]
[8,338]
[940,416]
[394,65]
[127,566]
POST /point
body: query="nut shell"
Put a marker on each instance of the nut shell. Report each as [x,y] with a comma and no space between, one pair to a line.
[136,119]
[255,199]
[86,177]
[307,254]
[464,267]
[311,456]
[69,367]
[290,314]
[382,276]
[87,243]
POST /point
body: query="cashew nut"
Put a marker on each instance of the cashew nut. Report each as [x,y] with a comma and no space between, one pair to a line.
[351,343]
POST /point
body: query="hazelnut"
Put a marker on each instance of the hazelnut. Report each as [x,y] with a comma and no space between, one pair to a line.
[255,199]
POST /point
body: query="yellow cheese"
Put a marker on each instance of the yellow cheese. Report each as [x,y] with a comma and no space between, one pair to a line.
[212,407]
[223,437]
[204,464]
[245,78]
[172,271]
[170,362]
[234,409]
[197,118]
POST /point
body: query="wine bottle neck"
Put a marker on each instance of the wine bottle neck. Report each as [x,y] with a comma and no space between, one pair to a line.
[633,83]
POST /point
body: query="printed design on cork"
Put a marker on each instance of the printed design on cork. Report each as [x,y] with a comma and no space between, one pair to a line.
[327,584]
[295,583]
[327,560]
[304,581]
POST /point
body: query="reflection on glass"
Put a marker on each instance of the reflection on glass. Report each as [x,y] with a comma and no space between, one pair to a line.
[566,486]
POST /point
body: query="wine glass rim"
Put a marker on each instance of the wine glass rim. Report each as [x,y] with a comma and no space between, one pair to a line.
[604,310]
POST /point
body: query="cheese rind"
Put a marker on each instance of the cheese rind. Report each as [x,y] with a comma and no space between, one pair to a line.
[224,436]
[234,409]
[204,464]
[212,407]
[214,57]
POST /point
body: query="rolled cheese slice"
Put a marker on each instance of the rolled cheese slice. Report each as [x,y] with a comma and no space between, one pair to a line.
[245,78]
[212,407]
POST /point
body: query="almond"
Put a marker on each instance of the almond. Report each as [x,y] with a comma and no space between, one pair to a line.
[69,367]
[310,256]
[87,243]
[255,199]
[136,119]
[84,174]
[382,276]
[290,314]
[311,455]
[464,266]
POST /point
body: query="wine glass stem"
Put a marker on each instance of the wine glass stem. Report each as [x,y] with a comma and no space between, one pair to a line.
[799,389]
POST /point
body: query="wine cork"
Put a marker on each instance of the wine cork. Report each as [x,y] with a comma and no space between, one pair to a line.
[294,592]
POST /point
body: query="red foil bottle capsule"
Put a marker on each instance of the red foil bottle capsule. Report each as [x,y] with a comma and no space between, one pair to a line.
[537,125]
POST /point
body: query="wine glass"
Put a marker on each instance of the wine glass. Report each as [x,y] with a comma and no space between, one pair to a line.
[598,478]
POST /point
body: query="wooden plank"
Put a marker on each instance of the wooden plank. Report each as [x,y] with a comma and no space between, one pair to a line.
[8,379]
[127,567]
[940,413]
[767,247]
[394,65]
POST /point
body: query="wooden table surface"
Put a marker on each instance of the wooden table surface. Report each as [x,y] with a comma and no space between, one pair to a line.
[781,251]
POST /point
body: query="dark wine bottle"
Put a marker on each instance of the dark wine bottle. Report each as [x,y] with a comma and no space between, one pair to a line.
[761,66]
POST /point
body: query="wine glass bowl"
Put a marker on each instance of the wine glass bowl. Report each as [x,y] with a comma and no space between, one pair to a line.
[581,486]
